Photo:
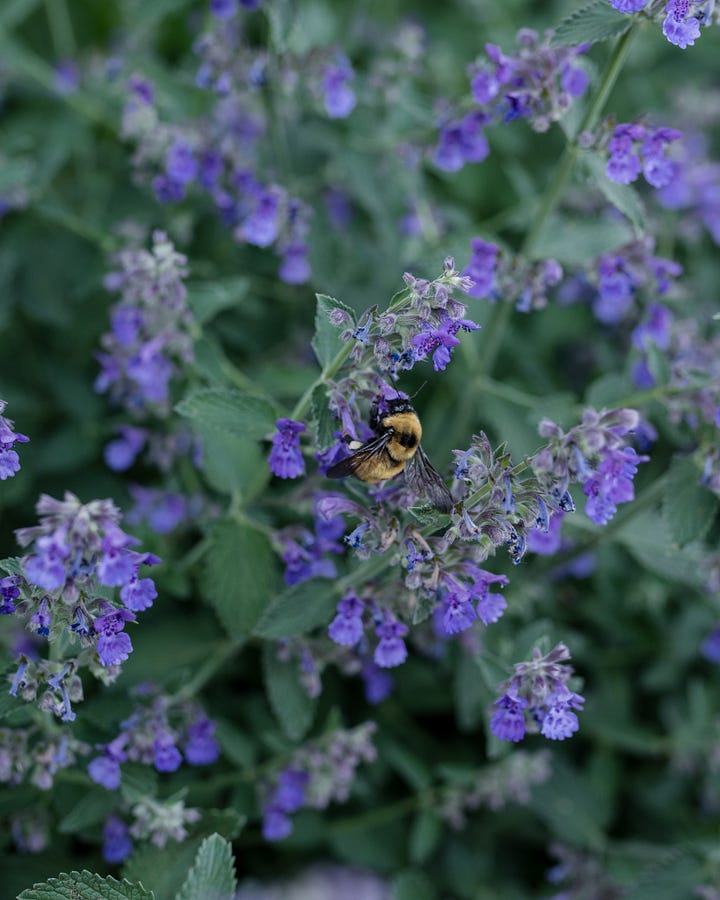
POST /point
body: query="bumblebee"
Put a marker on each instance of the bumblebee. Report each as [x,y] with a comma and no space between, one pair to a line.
[396,448]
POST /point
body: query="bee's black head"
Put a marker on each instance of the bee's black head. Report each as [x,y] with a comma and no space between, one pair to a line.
[398,405]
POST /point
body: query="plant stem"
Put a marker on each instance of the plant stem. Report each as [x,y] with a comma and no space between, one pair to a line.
[60,26]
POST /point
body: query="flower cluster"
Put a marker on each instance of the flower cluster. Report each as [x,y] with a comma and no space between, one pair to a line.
[304,552]
[592,453]
[682,21]
[317,775]
[29,754]
[621,275]
[537,84]
[495,786]
[9,460]
[695,189]
[160,733]
[220,153]
[76,555]
[150,337]
[537,698]
[497,274]
[635,148]
[155,821]
[286,460]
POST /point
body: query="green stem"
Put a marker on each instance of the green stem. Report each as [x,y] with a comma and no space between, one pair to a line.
[496,327]
[207,670]
[61,30]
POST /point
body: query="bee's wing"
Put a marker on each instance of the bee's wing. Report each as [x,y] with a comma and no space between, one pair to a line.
[425,481]
[362,461]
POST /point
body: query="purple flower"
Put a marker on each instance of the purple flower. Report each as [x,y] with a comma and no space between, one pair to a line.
[116,840]
[201,748]
[121,453]
[116,565]
[46,567]
[260,228]
[508,721]
[277,825]
[9,593]
[440,340]
[482,268]
[391,651]
[113,649]
[347,626]
[458,612]
[286,460]
[549,541]
[105,770]
[611,483]
[559,721]
[166,756]
[295,266]
[138,594]
[680,28]
[710,647]
[223,9]
[654,329]
[462,142]
[574,80]
[181,163]
[339,97]
[66,76]
[289,796]
[378,683]
[628,6]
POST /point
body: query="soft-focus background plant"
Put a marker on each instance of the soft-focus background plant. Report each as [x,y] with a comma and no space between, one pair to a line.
[225,229]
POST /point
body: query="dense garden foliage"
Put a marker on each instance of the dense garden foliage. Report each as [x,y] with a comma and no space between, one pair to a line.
[255,636]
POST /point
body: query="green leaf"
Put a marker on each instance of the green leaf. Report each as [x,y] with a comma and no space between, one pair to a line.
[423,609]
[574,811]
[606,390]
[298,610]
[595,22]
[291,703]
[677,875]
[208,298]
[688,508]
[138,782]
[240,575]
[165,869]
[85,886]
[8,703]
[324,422]
[428,516]
[234,465]
[425,833]
[212,876]
[93,807]
[412,884]
[228,409]
[326,343]
[623,197]
[647,537]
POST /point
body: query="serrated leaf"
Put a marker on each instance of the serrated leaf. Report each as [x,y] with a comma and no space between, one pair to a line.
[208,298]
[93,807]
[425,834]
[427,515]
[85,886]
[412,885]
[647,538]
[324,423]
[291,703]
[688,508]
[623,197]
[227,409]
[165,869]
[298,610]
[326,343]
[212,876]
[595,22]
[241,576]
